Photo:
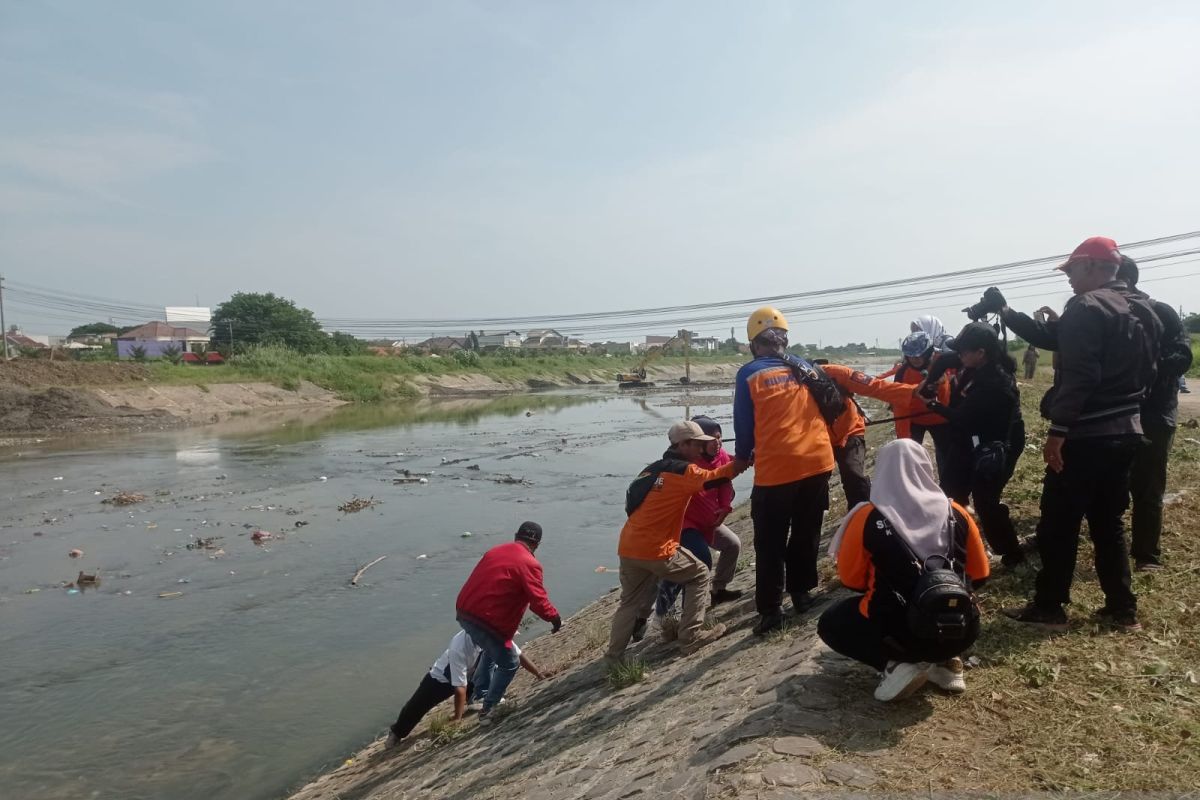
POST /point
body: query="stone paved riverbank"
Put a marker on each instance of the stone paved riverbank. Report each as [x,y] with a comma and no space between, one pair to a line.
[743,717]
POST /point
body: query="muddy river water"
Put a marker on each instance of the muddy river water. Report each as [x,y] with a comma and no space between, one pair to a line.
[237,670]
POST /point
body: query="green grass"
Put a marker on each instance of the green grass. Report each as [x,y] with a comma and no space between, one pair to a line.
[1194,372]
[1092,709]
[371,378]
[626,673]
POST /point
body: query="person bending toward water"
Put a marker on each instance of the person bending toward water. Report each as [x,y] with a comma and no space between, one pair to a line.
[879,548]
[649,548]
[448,677]
[505,582]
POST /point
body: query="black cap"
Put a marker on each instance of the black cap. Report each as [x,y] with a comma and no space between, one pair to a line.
[530,532]
[1128,271]
[975,336]
[707,424]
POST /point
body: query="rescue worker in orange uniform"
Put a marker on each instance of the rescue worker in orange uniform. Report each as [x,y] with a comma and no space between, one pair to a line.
[649,546]
[779,420]
[848,434]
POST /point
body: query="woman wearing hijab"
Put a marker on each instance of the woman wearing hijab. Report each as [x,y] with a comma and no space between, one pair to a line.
[933,327]
[988,433]
[879,548]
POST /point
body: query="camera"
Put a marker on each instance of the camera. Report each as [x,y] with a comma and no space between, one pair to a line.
[991,303]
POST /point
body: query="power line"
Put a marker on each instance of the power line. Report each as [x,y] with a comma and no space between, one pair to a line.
[849,301]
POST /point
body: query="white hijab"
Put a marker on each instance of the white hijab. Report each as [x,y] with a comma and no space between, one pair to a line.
[905,492]
[932,326]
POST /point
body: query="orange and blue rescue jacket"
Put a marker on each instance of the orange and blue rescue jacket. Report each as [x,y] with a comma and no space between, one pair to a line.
[898,393]
[868,561]
[656,502]
[776,419]
[851,422]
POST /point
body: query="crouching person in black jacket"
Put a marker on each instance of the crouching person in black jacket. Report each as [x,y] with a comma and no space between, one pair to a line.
[988,431]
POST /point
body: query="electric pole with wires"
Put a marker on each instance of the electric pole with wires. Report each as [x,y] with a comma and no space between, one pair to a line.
[3,324]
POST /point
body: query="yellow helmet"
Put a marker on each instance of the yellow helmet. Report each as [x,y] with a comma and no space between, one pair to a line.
[763,318]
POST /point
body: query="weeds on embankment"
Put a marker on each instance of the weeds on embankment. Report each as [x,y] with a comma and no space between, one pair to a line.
[372,378]
[626,673]
[1092,709]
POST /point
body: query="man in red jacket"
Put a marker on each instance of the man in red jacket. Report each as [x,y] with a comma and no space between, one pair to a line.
[506,581]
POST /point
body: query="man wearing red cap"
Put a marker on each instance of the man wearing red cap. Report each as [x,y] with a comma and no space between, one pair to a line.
[1108,339]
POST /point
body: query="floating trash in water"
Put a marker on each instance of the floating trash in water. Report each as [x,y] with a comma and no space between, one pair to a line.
[76,553]
[59,478]
[261,536]
[422,556]
[467,534]
[323,478]
[72,590]
[357,504]
[124,499]
[166,595]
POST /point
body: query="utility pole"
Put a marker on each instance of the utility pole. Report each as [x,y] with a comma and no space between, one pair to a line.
[231,338]
[3,325]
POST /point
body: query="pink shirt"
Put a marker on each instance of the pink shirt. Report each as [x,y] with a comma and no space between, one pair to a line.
[705,509]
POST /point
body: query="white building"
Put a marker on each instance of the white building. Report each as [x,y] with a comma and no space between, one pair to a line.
[497,340]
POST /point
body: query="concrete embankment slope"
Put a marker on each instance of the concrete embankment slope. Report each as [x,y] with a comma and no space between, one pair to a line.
[743,717]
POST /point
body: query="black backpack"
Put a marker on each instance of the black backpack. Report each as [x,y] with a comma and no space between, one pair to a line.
[940,608]
[828,397]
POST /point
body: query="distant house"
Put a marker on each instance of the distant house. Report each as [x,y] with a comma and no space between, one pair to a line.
[156,338]
[500,340]
[18,341]
[613,348]
[706,344]
[657,341]
[547,339]
[442,344]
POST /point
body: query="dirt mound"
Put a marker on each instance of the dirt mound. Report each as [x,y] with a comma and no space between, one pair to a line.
[36,373]
[59,410]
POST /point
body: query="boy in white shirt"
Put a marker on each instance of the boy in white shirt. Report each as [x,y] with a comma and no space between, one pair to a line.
[448,677]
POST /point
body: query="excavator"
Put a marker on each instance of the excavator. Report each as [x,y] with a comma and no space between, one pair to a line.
[636,378]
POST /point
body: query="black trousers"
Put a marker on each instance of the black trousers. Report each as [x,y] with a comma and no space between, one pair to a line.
[1147,484]
[852,467]
[943,442]
[962,483]
[875,642]
[1094,484]
[430,692]
[787,537]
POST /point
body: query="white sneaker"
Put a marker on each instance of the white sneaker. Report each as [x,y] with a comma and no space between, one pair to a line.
[900,679]
[948,675]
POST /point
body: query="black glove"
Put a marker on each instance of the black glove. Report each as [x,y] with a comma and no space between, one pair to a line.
[556,623]
[937,408]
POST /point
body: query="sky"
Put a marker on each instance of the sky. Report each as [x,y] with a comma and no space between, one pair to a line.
[454,159]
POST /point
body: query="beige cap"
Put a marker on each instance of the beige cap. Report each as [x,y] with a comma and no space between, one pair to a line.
[687,431]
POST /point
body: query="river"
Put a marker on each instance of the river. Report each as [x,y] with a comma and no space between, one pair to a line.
[235,671]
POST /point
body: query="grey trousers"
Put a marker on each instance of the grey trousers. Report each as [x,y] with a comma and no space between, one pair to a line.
[729,546]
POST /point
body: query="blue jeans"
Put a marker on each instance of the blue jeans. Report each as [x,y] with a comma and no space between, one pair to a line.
[691,540]
[498,664]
